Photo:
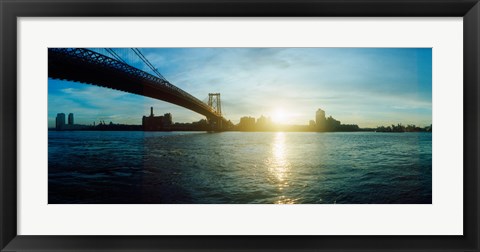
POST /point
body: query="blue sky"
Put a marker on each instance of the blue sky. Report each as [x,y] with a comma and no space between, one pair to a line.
[364,86]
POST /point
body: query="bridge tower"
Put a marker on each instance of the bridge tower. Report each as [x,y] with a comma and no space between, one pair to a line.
[215,103]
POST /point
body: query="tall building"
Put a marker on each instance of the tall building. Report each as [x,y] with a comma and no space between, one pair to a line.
[263,123]
[70,119]
[247,123]
[60,121]
[320,120]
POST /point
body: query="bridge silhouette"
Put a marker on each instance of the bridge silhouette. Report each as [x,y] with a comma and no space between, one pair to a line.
[90,67]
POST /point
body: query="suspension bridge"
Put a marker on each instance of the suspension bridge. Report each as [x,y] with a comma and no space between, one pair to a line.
[93,66]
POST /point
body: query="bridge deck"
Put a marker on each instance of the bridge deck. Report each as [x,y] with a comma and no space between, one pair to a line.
[86,66]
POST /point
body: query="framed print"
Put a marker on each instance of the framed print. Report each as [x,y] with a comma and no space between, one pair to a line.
[251,126]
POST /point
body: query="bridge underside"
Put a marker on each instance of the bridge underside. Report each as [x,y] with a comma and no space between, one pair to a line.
[64,67]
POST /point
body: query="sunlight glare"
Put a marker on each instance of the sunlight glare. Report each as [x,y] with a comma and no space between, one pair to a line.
[280,116]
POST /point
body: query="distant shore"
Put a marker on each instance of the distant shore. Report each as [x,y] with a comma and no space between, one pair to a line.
[140,128]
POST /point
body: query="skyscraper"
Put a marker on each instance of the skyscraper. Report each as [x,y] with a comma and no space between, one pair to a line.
[60,121]
[70,119]
[320,119]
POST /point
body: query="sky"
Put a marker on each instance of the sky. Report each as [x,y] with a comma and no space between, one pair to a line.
[365,86]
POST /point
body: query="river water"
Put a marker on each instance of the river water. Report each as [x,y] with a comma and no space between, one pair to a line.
[104,167]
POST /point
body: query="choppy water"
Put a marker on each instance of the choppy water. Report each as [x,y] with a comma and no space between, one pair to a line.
[239,167]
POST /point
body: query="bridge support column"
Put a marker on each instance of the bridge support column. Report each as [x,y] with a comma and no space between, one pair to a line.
[219,124]
[216,124]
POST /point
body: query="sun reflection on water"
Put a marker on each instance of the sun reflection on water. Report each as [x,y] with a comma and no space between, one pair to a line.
[285,200]
[279,167]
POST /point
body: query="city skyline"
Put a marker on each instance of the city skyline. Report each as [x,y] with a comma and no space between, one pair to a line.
[365,86]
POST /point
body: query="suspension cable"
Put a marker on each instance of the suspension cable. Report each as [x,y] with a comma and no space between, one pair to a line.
[150,64]
[115,55]
[147,62]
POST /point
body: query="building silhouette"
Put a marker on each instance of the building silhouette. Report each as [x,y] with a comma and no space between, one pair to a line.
[264,123]
[60,121]
[152,122]
[320,120]
[70,125]
[332,124]
[70,119]
[247,123]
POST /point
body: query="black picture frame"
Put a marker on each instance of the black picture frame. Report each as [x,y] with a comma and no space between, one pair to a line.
[10,10]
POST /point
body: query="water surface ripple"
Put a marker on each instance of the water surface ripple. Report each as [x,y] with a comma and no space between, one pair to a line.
[239,167]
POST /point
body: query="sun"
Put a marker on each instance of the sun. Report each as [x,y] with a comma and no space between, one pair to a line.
[280,116]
